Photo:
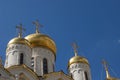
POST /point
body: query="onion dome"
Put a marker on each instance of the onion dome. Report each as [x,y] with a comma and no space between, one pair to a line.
[19,39]
[41,40]
[76,58]
[110,78]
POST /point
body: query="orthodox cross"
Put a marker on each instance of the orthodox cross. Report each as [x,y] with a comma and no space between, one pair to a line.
[38,25]
[106,68]
[75,47]
[21,29]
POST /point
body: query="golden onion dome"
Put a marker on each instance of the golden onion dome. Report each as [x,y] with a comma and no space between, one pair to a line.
[19,40]
[108,77]
[111,78]
[77,59]
[38,39]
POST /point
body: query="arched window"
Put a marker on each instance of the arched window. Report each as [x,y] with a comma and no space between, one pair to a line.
[22,76]
[86,76]
[32,62]
[45,66]
[21,58]
[53,67]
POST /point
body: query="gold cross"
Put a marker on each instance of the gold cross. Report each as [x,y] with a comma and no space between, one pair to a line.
[75,47]
[106,68]
[37,24]
[105,64]
[21,29]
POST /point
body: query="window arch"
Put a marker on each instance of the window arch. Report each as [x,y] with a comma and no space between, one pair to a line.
[22,76]
[21,58]
[86,76]
[45,66]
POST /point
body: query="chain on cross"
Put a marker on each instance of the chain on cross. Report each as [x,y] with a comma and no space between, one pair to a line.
[75,47]
[105,64]
[21,29]
[38,25]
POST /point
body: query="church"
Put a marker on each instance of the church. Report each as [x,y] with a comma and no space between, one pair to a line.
[33,58]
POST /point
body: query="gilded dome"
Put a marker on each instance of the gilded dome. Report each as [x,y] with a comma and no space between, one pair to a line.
[77,59]
[39,39]
[19,40]
[110,78]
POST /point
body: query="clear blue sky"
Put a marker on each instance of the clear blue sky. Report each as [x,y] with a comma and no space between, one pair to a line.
[93,24]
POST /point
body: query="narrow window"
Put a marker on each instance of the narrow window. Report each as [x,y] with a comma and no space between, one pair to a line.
[53,67]
[21,58]
[71,75]
[86,76]
[45,66]
[32,62]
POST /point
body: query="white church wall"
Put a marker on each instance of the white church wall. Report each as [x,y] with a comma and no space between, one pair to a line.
[43,53]
[18,70]
[77,71]
[13,55]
